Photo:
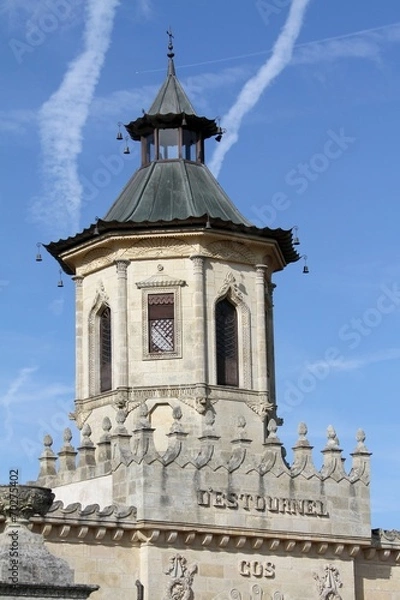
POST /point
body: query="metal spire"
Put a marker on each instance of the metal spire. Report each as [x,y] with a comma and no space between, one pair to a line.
[170,54]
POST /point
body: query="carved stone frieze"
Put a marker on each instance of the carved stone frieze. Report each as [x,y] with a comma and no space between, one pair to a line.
[232,251]
[159,247]
[97,259]
[190,395]
[23,501]
[181,575]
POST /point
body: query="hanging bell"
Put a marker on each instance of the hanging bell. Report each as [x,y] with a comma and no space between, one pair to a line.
[38,254]
[126,149]
[119,134]
[60,283]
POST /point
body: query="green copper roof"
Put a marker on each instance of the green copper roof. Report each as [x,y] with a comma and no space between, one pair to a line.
[171,97]
[175,189]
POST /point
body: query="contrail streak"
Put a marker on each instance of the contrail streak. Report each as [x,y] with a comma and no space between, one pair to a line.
[62,118]
[248,97]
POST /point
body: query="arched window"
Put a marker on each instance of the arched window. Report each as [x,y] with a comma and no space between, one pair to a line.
[105,349]
[227,343]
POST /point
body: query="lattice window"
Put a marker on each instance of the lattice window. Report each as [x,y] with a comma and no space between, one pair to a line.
[161,323]
[105,349]
[227,343]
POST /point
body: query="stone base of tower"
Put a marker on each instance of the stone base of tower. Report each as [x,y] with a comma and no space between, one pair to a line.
[199,521]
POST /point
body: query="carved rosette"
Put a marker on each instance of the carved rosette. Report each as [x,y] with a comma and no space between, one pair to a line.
[21,502]
[181,575]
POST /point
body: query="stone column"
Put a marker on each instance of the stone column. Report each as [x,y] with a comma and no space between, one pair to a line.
[200,349]
[270,343]
[121,326]
[262,378]
[79,362]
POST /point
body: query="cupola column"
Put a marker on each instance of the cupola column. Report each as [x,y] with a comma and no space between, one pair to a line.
[78,279]
[270,341]
[121,325]
[200,343]
[261,329]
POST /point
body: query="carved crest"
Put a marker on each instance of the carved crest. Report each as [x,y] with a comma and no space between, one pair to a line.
[328,584]
[181,575]
[100,298]
[230,286]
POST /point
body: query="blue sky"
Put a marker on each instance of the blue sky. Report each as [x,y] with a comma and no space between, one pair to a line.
[318,149]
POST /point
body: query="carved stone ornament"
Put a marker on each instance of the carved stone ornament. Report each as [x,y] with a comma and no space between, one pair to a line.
[181,575]
[249,592]
[160,281]
[159,246]
[261,406]
[233,251]
[329,583]
[231,286]
[23,501]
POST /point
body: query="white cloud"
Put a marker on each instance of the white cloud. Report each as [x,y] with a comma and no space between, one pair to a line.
[253,89]
[16,122]
[356,363]
[366,44]
[67,111]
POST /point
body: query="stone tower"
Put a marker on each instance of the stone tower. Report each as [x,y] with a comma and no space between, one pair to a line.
[189,492]
[173,287]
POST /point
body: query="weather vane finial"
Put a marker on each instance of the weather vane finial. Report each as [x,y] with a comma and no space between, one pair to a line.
[170,44]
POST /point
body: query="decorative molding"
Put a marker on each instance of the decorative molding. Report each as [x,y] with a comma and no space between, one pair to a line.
[160,281]
[194,396]
[159,247]
[181,575]
[232,251]
[96,259]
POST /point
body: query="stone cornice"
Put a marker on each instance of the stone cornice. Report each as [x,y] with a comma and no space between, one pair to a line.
[235,246]
[118,524]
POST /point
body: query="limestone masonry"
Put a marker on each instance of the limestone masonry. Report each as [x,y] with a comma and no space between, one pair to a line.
[180,488]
